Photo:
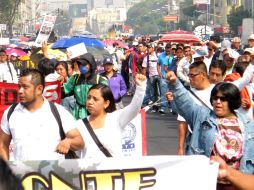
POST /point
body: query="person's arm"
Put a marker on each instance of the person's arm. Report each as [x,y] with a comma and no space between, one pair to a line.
[4,145]
[182,131]
[123,88]
[159,70]
[131,111]
[73,141]
[247,77]
[240,180]
[68,86]
[44,49]
[183,102]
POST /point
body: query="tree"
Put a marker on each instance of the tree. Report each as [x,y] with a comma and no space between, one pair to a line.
[146,16]
[236,16]
[8,13]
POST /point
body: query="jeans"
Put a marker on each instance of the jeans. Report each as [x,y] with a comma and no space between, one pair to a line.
[152,91]
[163,91]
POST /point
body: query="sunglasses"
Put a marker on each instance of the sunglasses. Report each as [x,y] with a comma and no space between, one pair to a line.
[193,75]
[222,98]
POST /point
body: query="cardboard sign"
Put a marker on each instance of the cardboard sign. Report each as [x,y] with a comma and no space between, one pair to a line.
[76,50]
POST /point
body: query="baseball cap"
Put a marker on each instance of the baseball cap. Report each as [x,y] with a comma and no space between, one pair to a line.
[225,44]
[108,60]
[251,37]
[233,54]
[250,50]
[200,53]
[150,45]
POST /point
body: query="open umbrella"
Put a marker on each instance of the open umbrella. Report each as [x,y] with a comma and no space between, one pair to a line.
[179,36]
[109,42]
[68,42]
[23,38]
[17,51]
[55,53]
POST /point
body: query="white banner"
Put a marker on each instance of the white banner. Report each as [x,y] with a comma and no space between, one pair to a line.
[134,136]
[201,2]
[150,173]
[45,30]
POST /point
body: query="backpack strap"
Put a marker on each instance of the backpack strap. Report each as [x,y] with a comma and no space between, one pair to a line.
[58,119]
[71,154]
[95,138]
[10,111]
[9,67]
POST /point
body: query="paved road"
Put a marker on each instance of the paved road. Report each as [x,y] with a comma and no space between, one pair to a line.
[161,132]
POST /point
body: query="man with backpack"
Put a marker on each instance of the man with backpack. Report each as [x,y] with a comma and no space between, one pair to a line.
[7,70]
[40,130]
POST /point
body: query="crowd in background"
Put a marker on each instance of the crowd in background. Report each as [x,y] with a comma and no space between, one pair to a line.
[191,80]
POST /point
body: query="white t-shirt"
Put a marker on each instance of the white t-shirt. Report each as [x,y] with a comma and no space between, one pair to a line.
[153,63]
[110,134]
[204,95]
[183,70]
[5,73]
[35,135]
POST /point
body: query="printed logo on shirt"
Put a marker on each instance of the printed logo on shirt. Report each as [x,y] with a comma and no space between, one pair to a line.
[128,139]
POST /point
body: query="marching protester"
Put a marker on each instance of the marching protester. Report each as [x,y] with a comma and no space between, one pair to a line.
[217,71]
[115,82]
[200,92]
[79,84]
[104,120]
[151,69]
[218,132]
[32,124]
[63,69]
[7,70]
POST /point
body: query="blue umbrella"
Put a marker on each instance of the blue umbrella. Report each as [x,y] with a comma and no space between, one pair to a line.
[68,42]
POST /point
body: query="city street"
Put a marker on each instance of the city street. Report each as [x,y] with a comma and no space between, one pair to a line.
[161,132]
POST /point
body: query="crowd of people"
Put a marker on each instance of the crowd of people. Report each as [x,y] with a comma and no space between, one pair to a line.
[209,85]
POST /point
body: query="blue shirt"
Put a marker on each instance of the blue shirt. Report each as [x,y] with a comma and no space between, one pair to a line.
[164,59]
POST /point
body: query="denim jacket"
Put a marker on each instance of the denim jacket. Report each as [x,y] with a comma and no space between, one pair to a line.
[203,123]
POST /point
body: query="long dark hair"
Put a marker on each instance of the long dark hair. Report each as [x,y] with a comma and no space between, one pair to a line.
[106,93]
[231,92]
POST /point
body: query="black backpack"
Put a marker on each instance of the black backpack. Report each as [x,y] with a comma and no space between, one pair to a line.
[71,154]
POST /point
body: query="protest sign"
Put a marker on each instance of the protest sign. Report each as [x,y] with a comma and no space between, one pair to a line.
[45,30]
[76,50]
[9,94]
[151,173]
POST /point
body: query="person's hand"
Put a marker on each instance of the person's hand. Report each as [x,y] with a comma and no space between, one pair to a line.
[171,77]
[61,79]
[180,152]
[245,103]
[140,79]
[44,47]
[223,167]
[169,96]
[64,146]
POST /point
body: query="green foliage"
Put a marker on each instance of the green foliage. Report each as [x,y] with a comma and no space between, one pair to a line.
[189,9]
[9,12]
[236,16]
[146,16]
